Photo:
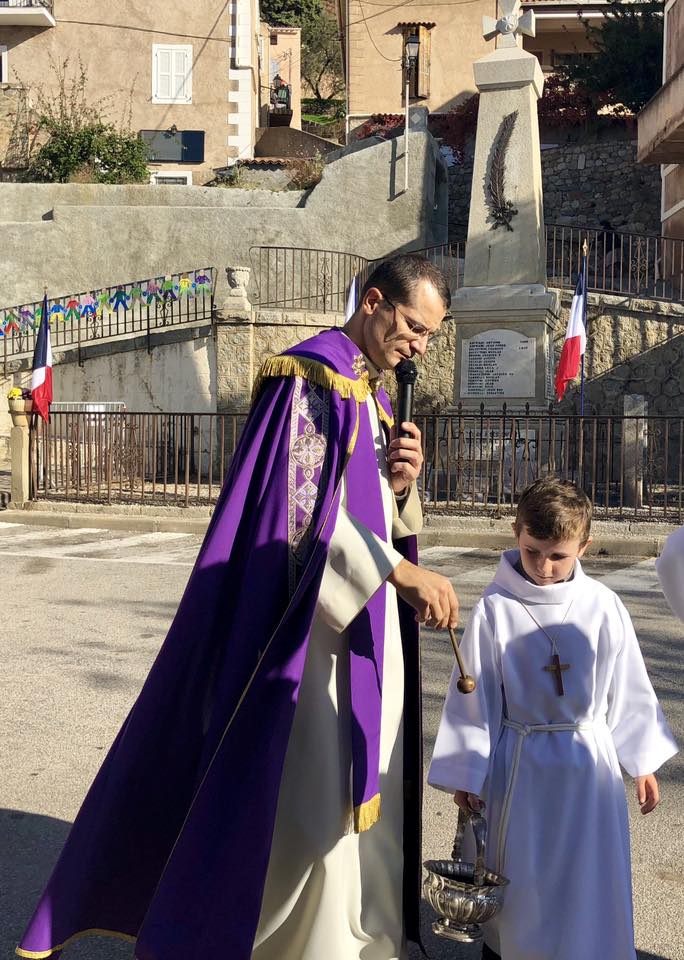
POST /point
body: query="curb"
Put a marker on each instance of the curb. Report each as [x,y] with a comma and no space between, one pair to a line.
[443,536]
[600,546]
[98,521]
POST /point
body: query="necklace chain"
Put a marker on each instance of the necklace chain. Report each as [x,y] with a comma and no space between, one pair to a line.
[554,648]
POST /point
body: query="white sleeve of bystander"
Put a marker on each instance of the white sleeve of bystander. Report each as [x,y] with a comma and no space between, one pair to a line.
[670,568]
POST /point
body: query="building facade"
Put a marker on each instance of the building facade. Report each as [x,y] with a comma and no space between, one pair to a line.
[450,39]
[189,76]
[661,124]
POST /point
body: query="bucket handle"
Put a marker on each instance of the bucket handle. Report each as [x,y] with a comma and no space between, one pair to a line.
[479,825]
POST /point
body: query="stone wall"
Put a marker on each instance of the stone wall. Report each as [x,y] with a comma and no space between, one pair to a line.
[633,347]
[76,237]
[584,184]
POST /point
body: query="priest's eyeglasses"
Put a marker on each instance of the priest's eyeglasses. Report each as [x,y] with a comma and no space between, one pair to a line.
[416,331]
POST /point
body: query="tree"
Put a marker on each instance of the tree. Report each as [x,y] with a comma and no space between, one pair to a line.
[289,13]
[627,66]
[322,56]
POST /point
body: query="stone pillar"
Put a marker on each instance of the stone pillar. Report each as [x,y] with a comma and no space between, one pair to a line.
[21,466]
[507,177]
[234,332]
[634,443]
[505,316]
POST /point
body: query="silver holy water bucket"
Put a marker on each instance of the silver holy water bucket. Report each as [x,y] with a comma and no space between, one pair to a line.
[464,894]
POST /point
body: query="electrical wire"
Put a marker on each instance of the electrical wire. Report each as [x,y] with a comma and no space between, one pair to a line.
[370,35]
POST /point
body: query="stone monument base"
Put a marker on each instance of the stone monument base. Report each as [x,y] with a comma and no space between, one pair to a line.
[504,345]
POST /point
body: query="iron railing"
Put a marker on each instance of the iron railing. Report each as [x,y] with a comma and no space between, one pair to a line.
[295,278]
[475,461]
[624,264]
[126,308]
[48,4]
[482,461]
[621,263]
[150,458]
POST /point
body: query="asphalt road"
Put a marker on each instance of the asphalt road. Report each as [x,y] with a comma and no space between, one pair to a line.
[84,613]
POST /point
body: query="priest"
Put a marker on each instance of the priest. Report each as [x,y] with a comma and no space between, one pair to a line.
[262,798]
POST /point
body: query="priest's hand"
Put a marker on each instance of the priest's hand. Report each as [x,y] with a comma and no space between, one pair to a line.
[648,793]
[430,594]
[405,458]
[468,802]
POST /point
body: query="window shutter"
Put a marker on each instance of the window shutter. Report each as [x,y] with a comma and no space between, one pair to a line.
[164,75]
[424,37]
[181,76]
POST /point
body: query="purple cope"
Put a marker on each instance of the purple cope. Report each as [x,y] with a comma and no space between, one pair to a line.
[172,843]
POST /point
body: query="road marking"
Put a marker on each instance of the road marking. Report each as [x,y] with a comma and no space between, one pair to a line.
[144,539]
[160,560]
[24,534]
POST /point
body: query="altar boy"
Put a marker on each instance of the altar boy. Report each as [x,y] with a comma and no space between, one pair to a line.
[562,702]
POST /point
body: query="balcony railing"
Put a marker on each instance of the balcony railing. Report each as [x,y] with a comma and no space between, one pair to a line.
[38,13]
[48,4]
[630,467]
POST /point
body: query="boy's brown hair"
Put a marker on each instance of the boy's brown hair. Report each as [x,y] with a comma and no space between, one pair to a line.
[552,509]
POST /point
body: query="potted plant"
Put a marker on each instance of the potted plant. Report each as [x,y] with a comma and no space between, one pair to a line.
[20,406]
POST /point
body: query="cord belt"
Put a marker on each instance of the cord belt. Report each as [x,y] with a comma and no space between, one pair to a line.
[524,730]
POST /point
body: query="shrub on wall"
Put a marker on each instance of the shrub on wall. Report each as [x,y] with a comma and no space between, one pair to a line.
[94,153]
[72,139]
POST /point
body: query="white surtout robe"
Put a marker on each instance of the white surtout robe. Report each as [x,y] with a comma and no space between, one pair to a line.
[566,849]
[331,894]
[670,568]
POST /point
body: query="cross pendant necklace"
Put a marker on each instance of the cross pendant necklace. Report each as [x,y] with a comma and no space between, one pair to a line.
[555,667]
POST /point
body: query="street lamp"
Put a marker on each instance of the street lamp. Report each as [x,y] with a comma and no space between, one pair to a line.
[411,47]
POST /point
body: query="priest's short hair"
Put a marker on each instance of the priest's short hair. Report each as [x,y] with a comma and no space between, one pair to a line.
[398,277]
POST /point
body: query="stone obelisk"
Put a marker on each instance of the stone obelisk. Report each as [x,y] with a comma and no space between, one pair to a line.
[504,313]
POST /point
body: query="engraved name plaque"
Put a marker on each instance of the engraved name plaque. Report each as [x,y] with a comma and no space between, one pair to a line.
[498,363]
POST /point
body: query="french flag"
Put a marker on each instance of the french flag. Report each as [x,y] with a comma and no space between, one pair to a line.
[575,336]
[41,378]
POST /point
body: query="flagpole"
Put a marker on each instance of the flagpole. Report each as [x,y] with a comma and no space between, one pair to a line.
[585,250]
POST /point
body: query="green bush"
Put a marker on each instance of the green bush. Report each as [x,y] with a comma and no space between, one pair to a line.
[96,152]
[73,140]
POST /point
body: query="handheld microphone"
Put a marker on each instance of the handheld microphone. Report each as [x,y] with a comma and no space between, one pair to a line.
[406,373]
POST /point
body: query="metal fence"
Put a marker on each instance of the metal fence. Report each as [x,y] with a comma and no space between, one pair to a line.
[48,4]
[296,278]
[149,458]
[126,308]
[475,461]
[619,263]
[482,461]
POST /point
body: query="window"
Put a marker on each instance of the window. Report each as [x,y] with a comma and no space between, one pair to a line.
[274,39]
[174,146]
[419,86]
[168,179]
[171,73]
[4,67]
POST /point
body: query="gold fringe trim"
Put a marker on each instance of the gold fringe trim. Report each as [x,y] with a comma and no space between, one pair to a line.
[383,414]
[367,814]
[314,372]
[354,437]
[43,954]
